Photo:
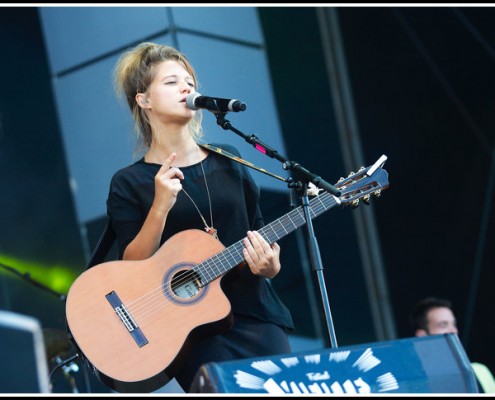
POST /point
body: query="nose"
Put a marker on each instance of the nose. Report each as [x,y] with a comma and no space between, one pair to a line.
[185,87]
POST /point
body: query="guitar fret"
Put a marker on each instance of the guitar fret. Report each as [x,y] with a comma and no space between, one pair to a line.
[238,257]
[273,230]
[279,222]
[231,259]
[204,274]
[264,235]
[312,216]
[238,248]
[322,204]
[220,263]
[290,219]
[269,237]
[226,266]
[232,256]
[215,268]
[212,269]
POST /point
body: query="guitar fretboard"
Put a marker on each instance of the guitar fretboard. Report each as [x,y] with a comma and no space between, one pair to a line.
[228,258]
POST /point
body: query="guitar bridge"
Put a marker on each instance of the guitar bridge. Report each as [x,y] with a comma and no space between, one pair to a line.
[126,318]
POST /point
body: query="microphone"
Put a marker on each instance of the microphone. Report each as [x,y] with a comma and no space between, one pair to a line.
[195,101]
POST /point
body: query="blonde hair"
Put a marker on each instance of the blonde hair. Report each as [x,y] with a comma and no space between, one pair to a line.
[134,72]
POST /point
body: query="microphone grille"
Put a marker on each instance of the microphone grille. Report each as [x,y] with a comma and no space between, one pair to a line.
[190,99]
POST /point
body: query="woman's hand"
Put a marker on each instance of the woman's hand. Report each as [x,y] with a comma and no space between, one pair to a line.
[263,259]
[167,186]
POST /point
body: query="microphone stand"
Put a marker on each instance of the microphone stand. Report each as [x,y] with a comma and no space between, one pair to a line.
[299,181]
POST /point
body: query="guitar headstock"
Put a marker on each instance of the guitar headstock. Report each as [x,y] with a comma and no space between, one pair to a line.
[363,184]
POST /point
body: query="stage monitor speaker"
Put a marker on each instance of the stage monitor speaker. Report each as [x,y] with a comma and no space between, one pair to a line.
[23,363]
[430,364]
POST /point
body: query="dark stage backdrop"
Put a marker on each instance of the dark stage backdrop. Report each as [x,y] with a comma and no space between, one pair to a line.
[38,231]
[423,89]
[40,245]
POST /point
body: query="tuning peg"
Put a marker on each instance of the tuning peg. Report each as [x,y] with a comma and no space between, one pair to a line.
[366,199]
[355,203]
[377,193]
[351,174]
[340,185]
[361,169]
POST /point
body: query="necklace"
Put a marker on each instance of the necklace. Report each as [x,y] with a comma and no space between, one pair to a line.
[209,229]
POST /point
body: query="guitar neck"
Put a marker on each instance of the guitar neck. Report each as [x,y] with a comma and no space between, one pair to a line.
[225,260]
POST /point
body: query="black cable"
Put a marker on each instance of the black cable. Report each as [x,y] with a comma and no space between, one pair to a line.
[26,276]
[61,364]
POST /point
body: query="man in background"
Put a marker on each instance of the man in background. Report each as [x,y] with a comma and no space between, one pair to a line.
[433,316]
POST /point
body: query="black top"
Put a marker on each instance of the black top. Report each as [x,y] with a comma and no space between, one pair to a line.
[234,201]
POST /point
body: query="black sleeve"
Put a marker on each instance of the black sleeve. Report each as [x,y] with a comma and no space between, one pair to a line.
[124,211]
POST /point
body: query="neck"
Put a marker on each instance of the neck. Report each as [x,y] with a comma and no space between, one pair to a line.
[187,150]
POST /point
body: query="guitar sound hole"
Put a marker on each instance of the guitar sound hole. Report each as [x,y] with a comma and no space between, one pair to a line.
[185,284]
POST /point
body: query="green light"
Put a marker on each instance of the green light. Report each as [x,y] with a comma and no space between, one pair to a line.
[57,278]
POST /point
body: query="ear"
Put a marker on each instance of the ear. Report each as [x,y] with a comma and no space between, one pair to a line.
[421,332]
[141,100]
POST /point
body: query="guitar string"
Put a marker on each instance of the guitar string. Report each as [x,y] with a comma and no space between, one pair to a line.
[211,260]
[157,293]
[153,304]
[156,300]
[316,208]
[147,309]
[190,273]
[159,290]
[208,268]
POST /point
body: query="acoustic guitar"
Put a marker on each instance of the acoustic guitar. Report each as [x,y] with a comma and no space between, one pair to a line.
[135,321]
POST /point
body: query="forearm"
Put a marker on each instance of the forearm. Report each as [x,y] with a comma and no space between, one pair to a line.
[147,241]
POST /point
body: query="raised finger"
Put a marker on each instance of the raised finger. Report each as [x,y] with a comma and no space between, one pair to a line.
[167,163]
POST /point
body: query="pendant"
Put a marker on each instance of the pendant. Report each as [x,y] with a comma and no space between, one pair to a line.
[212,231]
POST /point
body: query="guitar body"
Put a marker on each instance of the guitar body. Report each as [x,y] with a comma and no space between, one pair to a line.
[135,320]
